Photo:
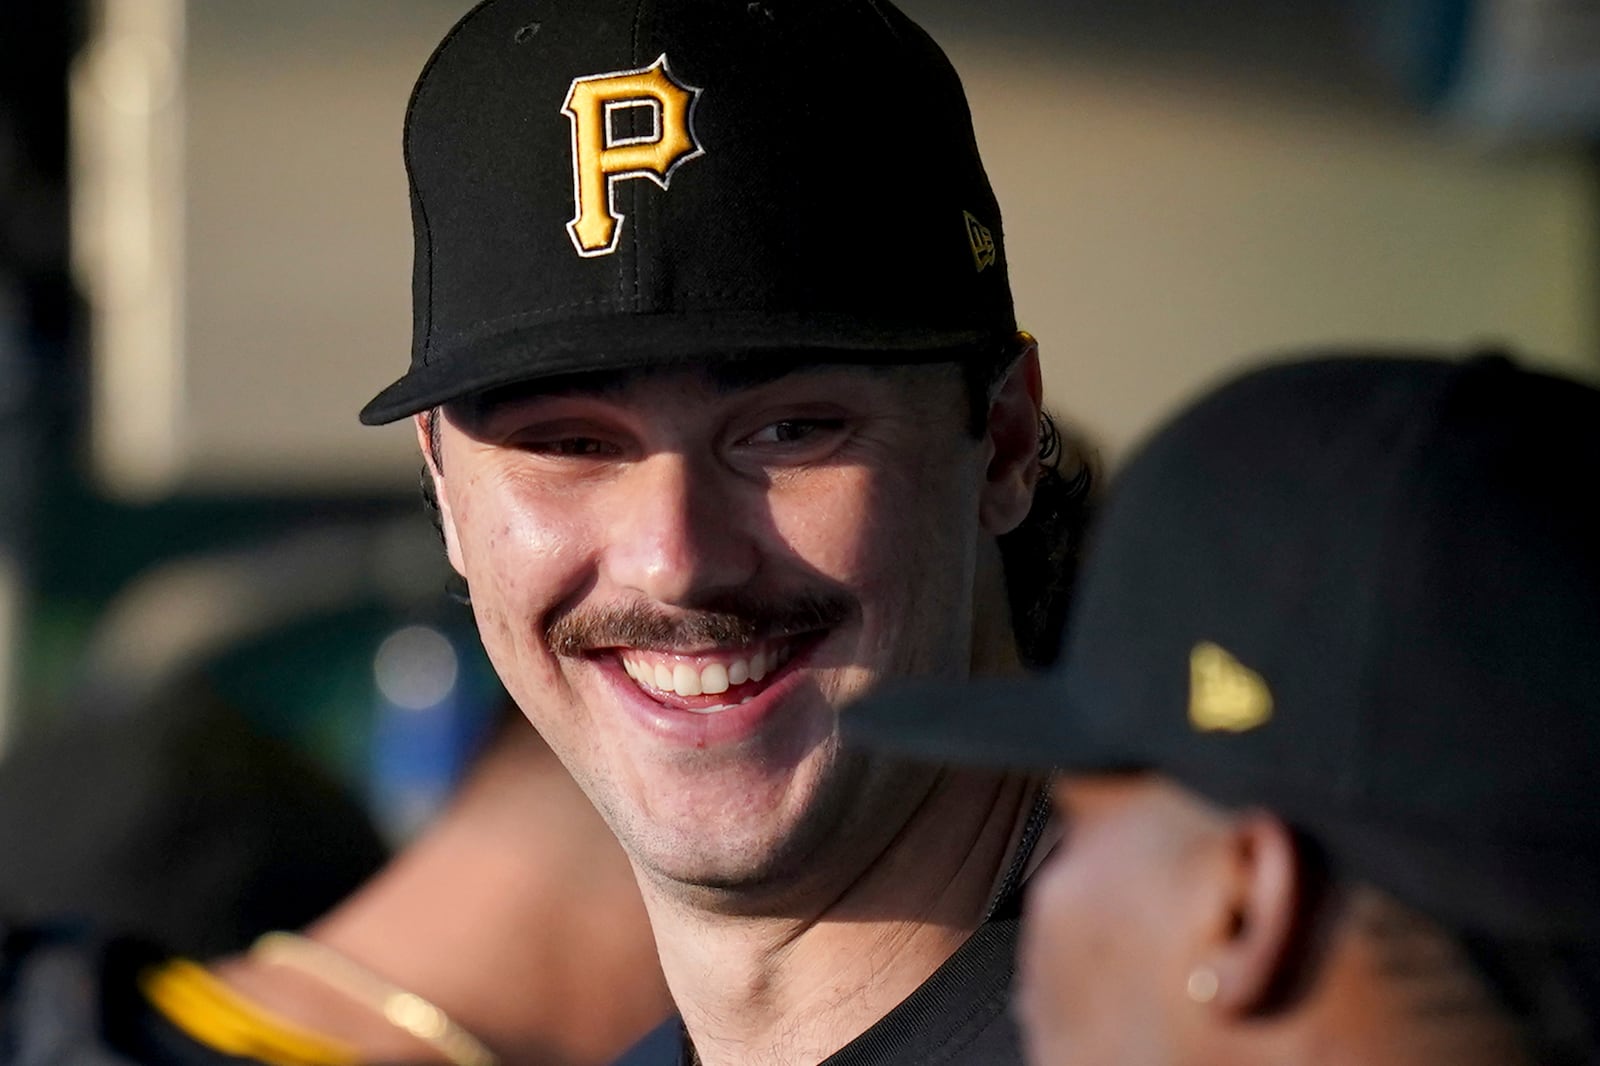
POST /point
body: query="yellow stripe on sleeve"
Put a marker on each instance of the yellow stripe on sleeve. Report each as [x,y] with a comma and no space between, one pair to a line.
[213,1014]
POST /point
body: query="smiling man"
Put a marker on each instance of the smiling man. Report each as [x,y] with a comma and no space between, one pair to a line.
[728,420]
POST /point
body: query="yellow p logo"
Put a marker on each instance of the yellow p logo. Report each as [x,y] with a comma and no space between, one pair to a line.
[601,158]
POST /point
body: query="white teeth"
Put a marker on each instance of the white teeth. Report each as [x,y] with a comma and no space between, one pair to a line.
[714,679]
[685,680]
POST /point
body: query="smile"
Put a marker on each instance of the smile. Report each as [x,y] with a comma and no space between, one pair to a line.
[707,682]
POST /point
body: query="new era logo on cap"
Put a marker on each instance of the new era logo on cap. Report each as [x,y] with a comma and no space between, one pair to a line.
[1225,696]
[982,241]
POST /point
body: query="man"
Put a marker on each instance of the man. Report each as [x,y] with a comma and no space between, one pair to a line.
[1327,727]
[721,394]
[723,401]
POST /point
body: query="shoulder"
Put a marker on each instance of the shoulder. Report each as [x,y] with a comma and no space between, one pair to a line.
[661,1046]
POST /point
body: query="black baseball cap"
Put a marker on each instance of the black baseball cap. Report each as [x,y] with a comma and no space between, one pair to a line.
[610,184]
[1363,593]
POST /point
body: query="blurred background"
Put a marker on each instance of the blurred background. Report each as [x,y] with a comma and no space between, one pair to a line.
[204,272]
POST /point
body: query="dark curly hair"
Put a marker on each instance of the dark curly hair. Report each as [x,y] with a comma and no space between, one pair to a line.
[1040,556]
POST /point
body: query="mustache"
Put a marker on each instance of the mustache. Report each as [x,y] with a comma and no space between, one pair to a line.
[732,622]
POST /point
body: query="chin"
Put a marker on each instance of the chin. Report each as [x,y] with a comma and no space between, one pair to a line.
[761,842]
[747,877]
[725,851]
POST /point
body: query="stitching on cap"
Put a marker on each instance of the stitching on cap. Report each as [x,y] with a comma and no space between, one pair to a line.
[422,206]
[618,303]
[533,316]
[633,192]
[883,17]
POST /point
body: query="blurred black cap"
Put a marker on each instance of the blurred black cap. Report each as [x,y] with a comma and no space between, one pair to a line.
[1363,593]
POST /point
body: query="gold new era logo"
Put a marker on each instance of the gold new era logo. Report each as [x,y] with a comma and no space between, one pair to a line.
[982,241]
[1225,696]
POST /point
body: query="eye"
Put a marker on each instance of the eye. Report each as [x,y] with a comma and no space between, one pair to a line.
[794,431]
[569,447]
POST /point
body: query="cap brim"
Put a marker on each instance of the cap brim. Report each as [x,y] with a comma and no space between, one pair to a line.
[1460,879]
[1016,723]
[629,342]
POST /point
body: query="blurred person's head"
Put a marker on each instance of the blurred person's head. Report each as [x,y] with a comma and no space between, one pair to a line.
[1325,731]
[710,470]
[176,820]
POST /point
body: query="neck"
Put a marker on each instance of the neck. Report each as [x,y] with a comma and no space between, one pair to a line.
[758,990]
[765,989]
[461,917]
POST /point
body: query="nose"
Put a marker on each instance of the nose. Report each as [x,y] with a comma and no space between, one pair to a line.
[679,535]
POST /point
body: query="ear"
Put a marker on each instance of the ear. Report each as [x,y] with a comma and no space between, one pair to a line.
[1012,441]
[429,424]
[1251,937]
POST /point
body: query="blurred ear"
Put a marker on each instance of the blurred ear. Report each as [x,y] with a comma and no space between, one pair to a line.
[1251,933]
[1012,437]
[428,424]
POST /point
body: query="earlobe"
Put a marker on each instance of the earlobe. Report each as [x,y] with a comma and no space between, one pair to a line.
[1251,945]
[428,443]
[1013,442]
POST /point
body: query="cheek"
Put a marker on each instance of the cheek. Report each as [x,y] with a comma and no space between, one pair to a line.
[1052,965]
[1058,934]
[523,556]
[1087,957]
[890,532]
[826,519]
